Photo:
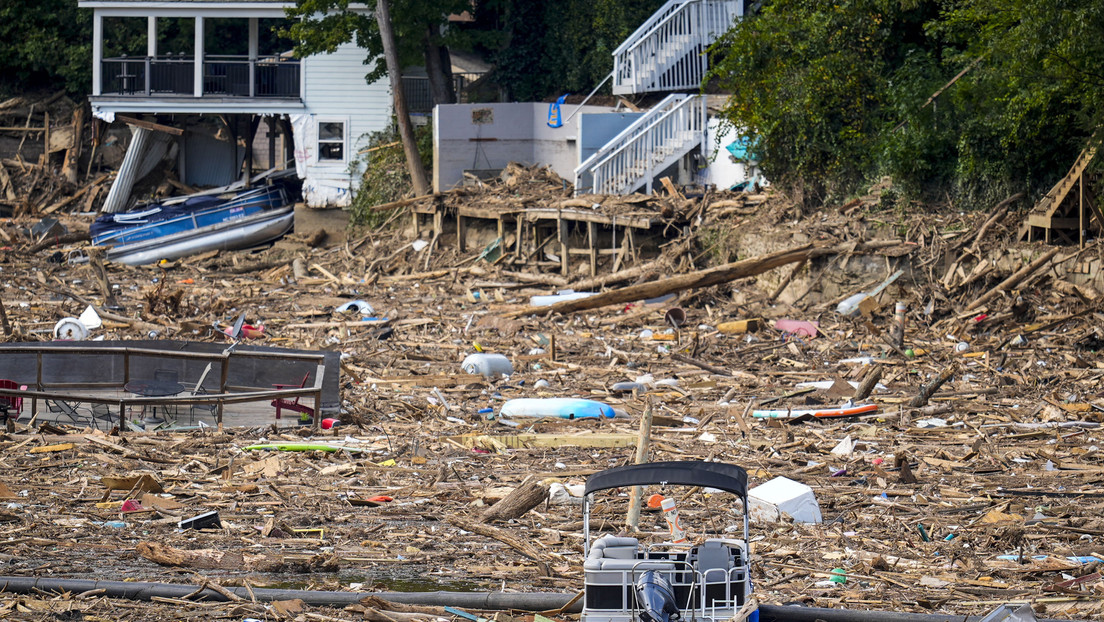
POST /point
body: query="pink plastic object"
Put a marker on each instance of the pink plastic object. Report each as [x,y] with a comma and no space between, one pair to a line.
[801,328]
[248,331]
[132,505]
[330,423]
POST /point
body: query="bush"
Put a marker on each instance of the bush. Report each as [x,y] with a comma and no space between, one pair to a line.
[385,177]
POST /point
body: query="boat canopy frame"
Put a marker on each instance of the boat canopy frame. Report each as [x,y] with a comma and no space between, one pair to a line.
[719,475]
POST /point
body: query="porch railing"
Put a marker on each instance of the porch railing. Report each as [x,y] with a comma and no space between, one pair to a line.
[223,76]
[420,100]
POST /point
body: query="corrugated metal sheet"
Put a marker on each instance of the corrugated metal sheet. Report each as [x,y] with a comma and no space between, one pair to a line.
[209,161]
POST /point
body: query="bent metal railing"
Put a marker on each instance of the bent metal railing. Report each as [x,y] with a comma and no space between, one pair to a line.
[224,359]
[223,76]
[634,156]
[667,52]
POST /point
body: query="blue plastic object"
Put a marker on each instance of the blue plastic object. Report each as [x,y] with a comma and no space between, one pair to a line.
[562,407]
[555,117]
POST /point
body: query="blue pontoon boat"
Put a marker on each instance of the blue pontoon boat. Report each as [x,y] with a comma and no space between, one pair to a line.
[198,224]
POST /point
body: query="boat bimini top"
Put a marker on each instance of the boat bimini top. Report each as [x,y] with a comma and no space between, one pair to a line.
[726,477]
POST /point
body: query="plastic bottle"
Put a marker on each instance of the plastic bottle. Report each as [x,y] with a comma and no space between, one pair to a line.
[671,515]
[488,365]
[897,333]
[850,306]
[562,407]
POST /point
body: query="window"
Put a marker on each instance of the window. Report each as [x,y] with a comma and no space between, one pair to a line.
[331,141]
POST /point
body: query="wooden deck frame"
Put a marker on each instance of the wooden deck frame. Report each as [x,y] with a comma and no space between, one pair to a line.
[529,226]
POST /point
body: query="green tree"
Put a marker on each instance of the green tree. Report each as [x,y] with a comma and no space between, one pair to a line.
[971,99]
[421,34]
[47,43]
[807,82]
[548,49]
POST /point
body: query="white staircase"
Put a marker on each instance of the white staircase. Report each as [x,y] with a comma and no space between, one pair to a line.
[667,52]
[654,142]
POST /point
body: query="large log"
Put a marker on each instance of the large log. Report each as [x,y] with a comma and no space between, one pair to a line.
[519,545]
[525,497]
[1014,280]
[702,278]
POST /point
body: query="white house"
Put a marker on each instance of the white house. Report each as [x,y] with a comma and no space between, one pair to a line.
[320,108]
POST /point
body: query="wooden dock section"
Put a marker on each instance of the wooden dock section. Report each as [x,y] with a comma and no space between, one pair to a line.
[524,232]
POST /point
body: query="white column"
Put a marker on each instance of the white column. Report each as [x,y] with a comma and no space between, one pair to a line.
[254,45]
[151,36]
[97,53]
[199,56]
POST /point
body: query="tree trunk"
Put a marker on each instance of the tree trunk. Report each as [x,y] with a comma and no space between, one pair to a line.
[438,66]
[406,128]
[525,497]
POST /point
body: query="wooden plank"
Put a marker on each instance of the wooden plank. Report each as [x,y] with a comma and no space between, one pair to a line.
[149,125]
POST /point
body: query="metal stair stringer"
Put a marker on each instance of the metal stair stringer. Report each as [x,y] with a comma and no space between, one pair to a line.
[654,142]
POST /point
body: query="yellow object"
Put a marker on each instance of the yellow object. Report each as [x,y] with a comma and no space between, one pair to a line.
[386,463]
[739,327]
[477,346]
[52,448]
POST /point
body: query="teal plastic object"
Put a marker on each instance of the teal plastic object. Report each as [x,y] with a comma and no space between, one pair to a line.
[562,407]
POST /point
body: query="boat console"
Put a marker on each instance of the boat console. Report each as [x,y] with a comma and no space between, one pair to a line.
[709,580]
[628,581]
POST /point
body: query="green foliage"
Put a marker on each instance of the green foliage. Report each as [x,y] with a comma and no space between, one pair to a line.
[46,44]
[555,48]
[386,177]
[321,26]
[841,93]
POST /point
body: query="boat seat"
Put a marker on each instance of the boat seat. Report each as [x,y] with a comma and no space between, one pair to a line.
[610,557]
[713,560]
[614,547]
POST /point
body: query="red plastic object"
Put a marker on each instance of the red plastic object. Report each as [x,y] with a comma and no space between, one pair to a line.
[132,505]
[330,423]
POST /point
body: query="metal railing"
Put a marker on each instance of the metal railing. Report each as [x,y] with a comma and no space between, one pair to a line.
[419,99]
[223,76]
[226,394]
[647,146]
[667,52]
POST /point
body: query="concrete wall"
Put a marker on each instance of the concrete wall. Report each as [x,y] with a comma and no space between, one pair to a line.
[487,137]
[334,90]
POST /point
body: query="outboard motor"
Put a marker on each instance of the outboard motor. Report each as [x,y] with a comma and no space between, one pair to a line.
[655,598]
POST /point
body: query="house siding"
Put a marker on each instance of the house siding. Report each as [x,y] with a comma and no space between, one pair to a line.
[334,89]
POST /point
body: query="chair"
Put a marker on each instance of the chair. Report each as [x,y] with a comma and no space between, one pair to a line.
[72,412]
[11,403]
[208,408]
[281,403]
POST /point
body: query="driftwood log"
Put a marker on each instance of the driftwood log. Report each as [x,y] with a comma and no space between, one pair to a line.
[519,545]
[702,278]
[525,497]
[1014,280]
[929,389]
